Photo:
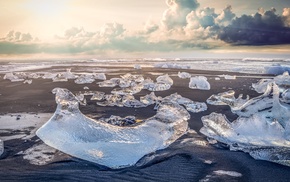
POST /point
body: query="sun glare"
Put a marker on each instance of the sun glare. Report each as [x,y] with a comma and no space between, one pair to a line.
[46,7]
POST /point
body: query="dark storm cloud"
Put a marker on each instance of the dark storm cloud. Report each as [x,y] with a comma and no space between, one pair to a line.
[263,28]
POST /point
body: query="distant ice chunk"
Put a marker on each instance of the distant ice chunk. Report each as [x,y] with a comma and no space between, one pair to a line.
[70,131]
[150,99]
[27,81]
[86,88]
[100,76]
[137,67]
[163,82]
[13,77]
[276,69]
[85,78]
[199,82]
[190,105]
[230,77]
[49,75]
[172,65]
[130,101]
[184,75]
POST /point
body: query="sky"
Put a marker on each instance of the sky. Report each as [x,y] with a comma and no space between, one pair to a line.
[151,28]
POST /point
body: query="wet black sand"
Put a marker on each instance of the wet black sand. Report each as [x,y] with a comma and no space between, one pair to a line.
[179,162]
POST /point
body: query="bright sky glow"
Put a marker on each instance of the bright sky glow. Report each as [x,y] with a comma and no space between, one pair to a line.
[70,27]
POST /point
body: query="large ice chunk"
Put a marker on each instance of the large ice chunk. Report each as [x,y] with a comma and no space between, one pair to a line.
[263,123]
[114,146]
[199,82]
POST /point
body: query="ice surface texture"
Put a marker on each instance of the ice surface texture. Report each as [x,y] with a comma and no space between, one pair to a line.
[114,146]
[262,128]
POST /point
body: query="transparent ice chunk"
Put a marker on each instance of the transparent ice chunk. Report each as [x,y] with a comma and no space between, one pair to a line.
[130,101]
[70,131]
[227,98]
[85,78]
[27,81]
[184,75]
[199,82]
[13,77]
[100,76]
[111,100]
[137,66]
[150,99]
[261,86]
[119,121]
[263,123]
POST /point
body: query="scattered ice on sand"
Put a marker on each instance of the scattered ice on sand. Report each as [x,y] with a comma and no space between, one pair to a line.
[199,82]
[230,77]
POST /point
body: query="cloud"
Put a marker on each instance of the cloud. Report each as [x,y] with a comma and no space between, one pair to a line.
[17,37]
[262,28]
[184,26]
[175,15]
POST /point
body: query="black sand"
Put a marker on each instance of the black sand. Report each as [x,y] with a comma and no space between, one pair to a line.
[176,163]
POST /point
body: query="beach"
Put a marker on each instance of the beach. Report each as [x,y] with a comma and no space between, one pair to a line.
[189,158]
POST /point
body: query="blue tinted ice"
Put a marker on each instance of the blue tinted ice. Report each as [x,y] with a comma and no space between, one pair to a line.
[262,128]
[70,131]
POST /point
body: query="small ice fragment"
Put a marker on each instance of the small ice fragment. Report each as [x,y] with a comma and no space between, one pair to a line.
[199,82]
[48,75]
[100,76]
[12,77]
[28,81]
[130,101]
[230,77]
[184,75]
[217,78]
[1,147]
[98,95]
[111,100]
[107,83]
[70,131]
[85,78]
[150,99]
[227,98]
[229,173]
[164,79]
[137,67]
[86,88]
[196,107]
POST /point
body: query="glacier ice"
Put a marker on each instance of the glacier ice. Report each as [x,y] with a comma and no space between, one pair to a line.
[70,131]
[262,128]
[199,82]
[184,75]
[283,81]
[13,77]
[85,78]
